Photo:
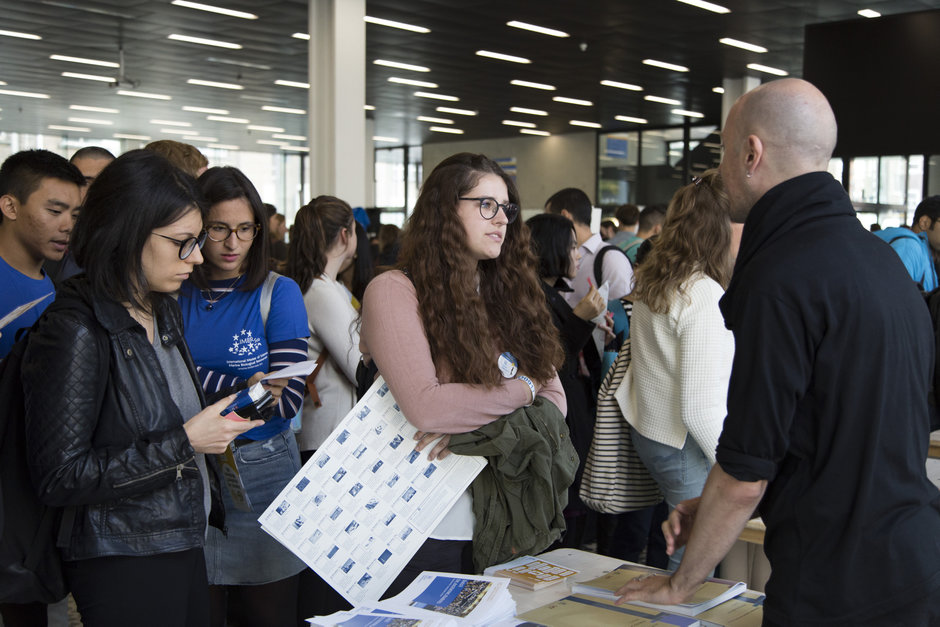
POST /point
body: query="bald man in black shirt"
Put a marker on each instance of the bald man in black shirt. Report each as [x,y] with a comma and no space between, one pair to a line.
[827,427]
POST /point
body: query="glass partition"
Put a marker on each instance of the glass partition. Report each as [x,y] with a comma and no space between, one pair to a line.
[647,166]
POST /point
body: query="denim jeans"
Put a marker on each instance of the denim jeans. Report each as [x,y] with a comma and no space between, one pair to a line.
[680,473]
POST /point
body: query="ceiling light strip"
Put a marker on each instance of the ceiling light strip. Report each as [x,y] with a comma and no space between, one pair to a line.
[528,111]
[532,131]
[537,29]
[708,6]
[284,110]
[583,123]
[206,110]
[502,57]
[401,66]
[665,65]
[767,69]
[426,94]
[378,21]
[456,111]
[143,94]
[737,43]
[204,42]
[530,84]
[61,57]
[213,9]
[574,101]
[630,118]
[619,85]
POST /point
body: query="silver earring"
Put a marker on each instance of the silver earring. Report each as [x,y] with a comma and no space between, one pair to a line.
[748,175]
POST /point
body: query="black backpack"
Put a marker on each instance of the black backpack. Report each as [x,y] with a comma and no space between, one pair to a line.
[30,565]
[599,262]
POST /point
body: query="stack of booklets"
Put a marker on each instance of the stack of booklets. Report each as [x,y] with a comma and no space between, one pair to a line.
[531,573]
[717,602]
[711,593]
[434,600]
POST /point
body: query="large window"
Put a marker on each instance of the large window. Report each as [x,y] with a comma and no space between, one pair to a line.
[647,166]
[398,177]
[886,189]
[279,177]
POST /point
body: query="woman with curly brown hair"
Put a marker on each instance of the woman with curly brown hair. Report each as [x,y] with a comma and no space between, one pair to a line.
[460,331]
[674,394]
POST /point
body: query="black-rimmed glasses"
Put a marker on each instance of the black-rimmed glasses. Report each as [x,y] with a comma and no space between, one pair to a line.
[221,232]
[188,245]
[489,208]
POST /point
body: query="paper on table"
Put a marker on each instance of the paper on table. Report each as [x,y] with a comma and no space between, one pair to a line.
[472,599]
[366,501]
[19,311]
[300,369]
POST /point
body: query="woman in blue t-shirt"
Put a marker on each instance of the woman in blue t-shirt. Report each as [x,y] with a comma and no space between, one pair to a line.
[234,345]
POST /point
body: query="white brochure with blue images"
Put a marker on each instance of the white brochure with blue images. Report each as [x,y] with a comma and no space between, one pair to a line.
[366,501]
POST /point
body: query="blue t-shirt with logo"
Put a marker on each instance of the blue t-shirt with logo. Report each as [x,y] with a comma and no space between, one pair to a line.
[230,337]
[19,289]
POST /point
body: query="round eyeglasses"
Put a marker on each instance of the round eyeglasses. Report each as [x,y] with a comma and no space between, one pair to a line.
[221,232]
[489,207]
[188,245]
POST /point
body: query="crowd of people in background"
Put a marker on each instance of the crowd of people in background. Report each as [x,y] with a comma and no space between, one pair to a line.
[781,358]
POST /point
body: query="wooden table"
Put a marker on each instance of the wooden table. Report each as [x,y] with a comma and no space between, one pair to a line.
[934,450]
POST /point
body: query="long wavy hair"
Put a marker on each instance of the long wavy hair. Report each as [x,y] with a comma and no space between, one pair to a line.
[696,237]
[473,310]
[316,227]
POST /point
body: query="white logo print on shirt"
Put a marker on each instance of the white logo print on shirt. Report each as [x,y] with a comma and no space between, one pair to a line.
[244,343]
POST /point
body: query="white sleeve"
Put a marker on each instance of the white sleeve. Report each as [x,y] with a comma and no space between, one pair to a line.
[706,351]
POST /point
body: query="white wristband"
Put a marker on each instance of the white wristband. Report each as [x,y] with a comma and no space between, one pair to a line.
[531,385]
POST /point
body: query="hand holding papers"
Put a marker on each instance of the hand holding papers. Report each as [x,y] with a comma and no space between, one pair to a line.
[367,500]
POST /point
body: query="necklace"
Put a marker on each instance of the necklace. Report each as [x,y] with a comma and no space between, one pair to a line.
[222,293]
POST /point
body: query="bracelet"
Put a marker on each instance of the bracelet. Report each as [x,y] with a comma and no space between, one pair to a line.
[531,385]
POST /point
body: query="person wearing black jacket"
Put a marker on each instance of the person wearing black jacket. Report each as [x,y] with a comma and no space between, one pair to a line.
[116,427]
[554,243]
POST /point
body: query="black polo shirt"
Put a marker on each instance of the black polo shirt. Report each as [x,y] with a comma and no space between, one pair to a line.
[828,402]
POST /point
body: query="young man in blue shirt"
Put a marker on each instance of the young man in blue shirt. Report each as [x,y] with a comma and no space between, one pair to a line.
[40,193]
[917,245]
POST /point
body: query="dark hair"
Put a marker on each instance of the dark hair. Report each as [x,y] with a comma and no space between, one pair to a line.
[627,214]
[91,152]
[362,269]
[644,249]
[317,225]
[227,183]
[474,310]
[138,192]
[575,201]
[929,207]
[22,173]
[271,209]
[651,216]
[552,236]
[184,156]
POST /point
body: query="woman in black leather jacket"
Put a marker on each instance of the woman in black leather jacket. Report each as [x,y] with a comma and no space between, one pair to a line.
[115,424]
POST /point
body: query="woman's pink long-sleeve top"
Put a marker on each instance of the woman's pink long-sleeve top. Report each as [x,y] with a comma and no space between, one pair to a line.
[393,335]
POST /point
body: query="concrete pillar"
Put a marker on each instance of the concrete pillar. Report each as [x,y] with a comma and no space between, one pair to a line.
[734,89]
[335,115]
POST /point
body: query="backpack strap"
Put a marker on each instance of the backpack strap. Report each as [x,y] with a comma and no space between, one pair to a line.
[599,262]
[267,288]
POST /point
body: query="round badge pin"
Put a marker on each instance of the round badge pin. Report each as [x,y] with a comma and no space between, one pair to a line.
[508,365]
